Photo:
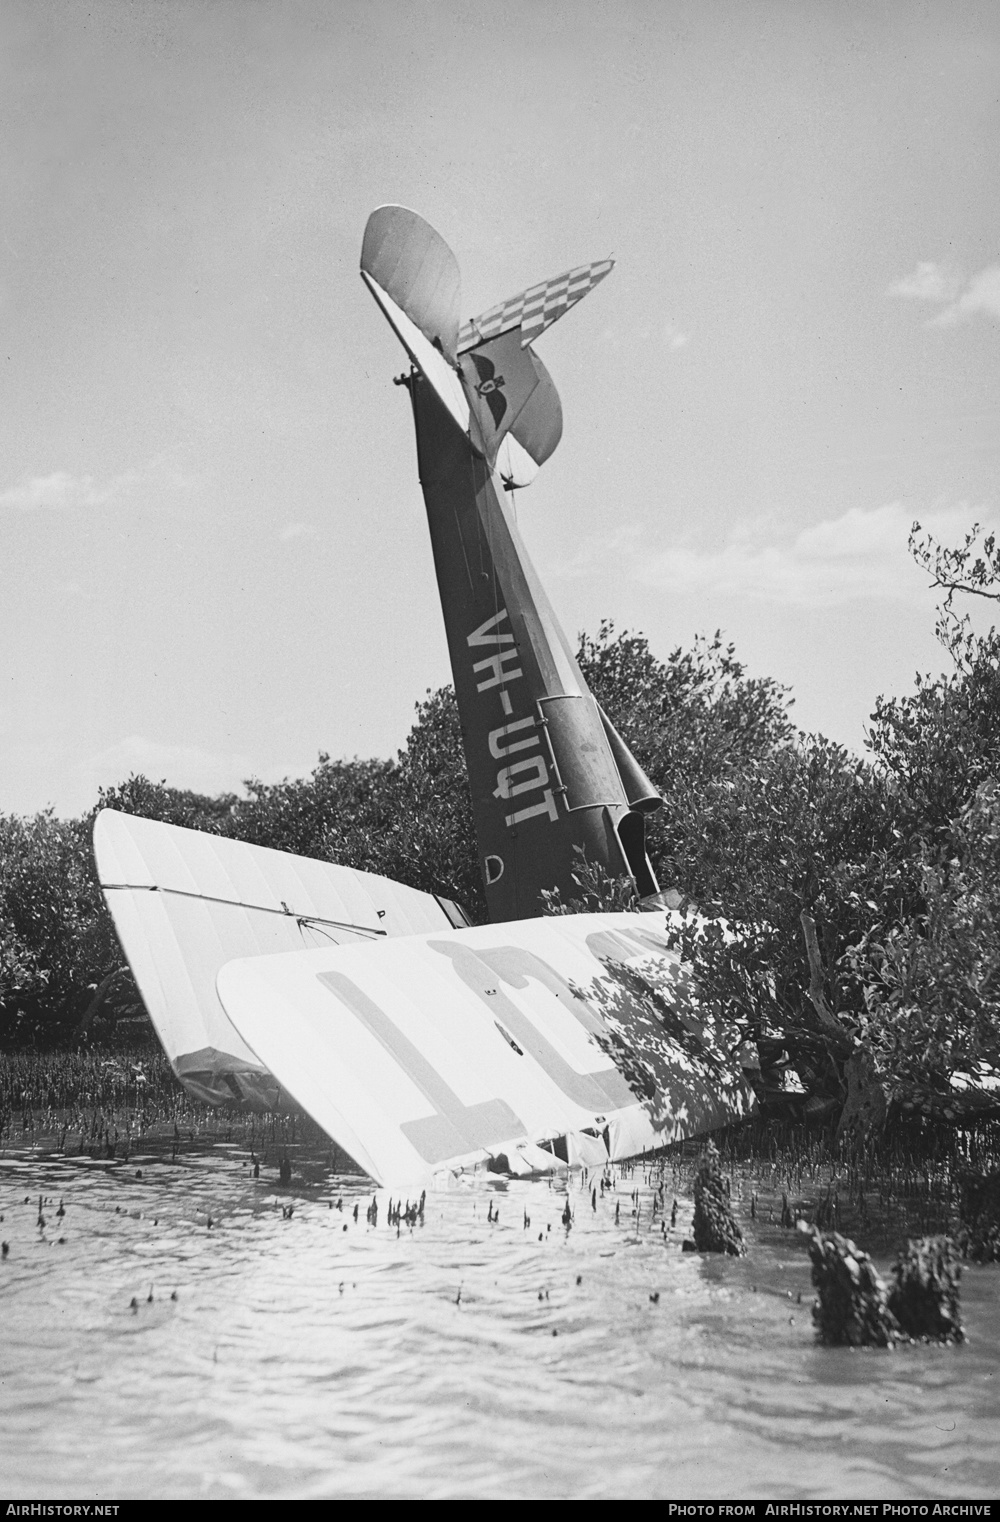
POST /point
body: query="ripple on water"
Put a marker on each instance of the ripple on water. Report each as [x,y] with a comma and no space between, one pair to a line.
[467,1356]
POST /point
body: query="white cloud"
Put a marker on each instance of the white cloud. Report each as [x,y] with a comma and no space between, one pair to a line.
[982,294]
[957,297]
[298,531]
[929,282]
[860,556]
[623,542]
[61,490]
[180,766]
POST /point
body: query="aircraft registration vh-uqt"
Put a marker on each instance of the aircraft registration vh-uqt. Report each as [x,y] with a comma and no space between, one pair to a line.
[421,1044]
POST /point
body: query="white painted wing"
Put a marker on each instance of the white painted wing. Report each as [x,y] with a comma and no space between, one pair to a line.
[185,902]
[437,1051]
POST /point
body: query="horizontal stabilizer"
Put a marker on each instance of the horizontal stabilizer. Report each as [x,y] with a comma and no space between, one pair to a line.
[535,309]
[415,267]
[438,1052]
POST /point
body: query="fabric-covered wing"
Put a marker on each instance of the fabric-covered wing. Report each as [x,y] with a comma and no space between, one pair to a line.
[576,1034]
[535,309]
[185,902]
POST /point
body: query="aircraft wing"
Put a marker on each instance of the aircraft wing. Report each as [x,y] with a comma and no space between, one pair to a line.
[185,902]
[564,1039]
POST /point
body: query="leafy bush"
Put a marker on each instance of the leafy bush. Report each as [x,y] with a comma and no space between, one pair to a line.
[932,982]
[862,892]
[56,942]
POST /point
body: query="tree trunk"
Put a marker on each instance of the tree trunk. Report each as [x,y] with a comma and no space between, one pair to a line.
[83,1024]
[829,1023]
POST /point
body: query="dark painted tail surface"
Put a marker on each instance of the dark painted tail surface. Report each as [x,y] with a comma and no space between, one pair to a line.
[549,774]
[541,768]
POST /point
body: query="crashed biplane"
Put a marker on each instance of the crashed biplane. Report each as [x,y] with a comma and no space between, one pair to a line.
[423,1045]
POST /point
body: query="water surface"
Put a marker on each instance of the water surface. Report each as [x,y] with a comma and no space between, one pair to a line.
[470,1354]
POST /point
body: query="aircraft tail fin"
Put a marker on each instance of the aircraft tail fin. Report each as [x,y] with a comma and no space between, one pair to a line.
[536,308]
[486,372]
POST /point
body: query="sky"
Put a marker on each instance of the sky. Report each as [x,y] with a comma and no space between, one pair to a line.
[215,562]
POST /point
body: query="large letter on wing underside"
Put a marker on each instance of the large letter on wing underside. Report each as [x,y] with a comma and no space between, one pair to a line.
[435,1051]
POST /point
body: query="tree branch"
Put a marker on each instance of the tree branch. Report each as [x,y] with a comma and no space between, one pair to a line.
[817,996]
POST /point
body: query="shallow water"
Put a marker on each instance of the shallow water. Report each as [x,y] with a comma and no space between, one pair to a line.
[317,1355]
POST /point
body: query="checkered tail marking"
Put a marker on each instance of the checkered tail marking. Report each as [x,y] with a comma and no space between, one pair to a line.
[535,309]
